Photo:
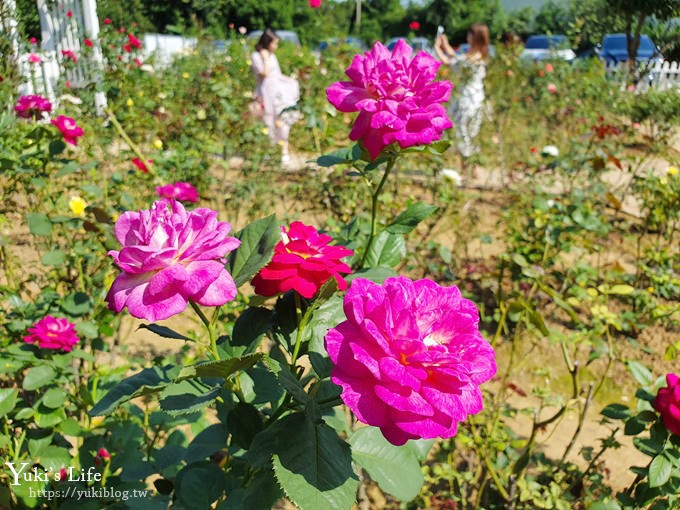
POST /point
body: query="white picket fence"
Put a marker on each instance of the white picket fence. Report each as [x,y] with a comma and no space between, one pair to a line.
[660,76]
[60,32]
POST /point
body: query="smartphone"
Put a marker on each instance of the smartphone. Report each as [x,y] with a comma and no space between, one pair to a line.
[440,30]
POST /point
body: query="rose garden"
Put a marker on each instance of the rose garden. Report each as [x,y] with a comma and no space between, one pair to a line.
[188,323]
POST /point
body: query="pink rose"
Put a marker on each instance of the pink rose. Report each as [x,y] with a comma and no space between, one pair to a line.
[552,88]
[303,261]
[315,4]
[33,40]
[396,96]
[667,403]
[53,333]
[410,357]
[68,127]
[69,54]
[169,256]
[549,68]
[107,21]
[34,59]
[69,13]
[28,107]
[182,191]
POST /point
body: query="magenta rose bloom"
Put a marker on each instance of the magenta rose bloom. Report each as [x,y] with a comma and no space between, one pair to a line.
[667,403]
[169,256]
[302,261]
[179,191]
[53,333]
[28,107]
[397,98]
[410,357]
[69,129]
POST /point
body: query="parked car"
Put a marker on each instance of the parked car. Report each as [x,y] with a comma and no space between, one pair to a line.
[614,49]
[284,35]
[543,46]
[417,43]
[465,47]
[354,42]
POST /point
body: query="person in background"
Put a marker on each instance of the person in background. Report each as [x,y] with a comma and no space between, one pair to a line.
[466,110]
[274,91]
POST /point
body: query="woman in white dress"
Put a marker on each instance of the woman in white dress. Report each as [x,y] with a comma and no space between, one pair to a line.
[467,109]
[274,91]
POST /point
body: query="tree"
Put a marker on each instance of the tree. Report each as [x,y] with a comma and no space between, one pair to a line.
[635,13]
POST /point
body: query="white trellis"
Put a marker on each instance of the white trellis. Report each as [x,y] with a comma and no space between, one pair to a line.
[61,32]
[660,76]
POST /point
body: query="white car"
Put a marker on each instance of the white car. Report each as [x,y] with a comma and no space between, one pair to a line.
[542,47]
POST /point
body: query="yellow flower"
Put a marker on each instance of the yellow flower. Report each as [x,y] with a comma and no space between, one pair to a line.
[650,290]
[185,75]
[265,131]
[130,102]
[158,144]
[77,206]
[672,170]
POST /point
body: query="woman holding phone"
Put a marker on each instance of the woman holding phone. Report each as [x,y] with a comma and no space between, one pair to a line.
[467,109]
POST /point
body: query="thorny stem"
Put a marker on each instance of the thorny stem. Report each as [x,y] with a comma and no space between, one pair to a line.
[374,205]
[209,327]
[489,467]
[124,135]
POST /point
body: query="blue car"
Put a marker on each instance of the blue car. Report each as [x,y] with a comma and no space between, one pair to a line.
[614,49]
[544,46]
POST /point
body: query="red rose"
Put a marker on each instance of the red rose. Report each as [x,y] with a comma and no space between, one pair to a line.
[667,403]
[303,261]
[414,25]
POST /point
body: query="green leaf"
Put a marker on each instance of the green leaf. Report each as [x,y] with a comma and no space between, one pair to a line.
[244,422]
[409,219]
[375,274]
[616,411]
[77,304]
[165,332]
[8,399]
[56,147]
[257,245]
[186,397]
[621,290]
[147,382]
[251,325]
[46,418]
[54,458]
[314,466]
[395,468]
[39,376]
[386,250]
[659,470]
[640,373]
[326,316]
[208,441]
[221,368]
[287,380]
[337,157]
[198,485]
[262,492]
[68,168]
[39,224]
[54,398]
[53,258]
[607,504]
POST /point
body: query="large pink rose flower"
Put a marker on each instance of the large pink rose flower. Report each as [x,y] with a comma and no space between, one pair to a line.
[667,403]
[397,98]
[410,357]
[302,261]
[183,191]
[53,333]
[169,256]
[69,129]
[28,107]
